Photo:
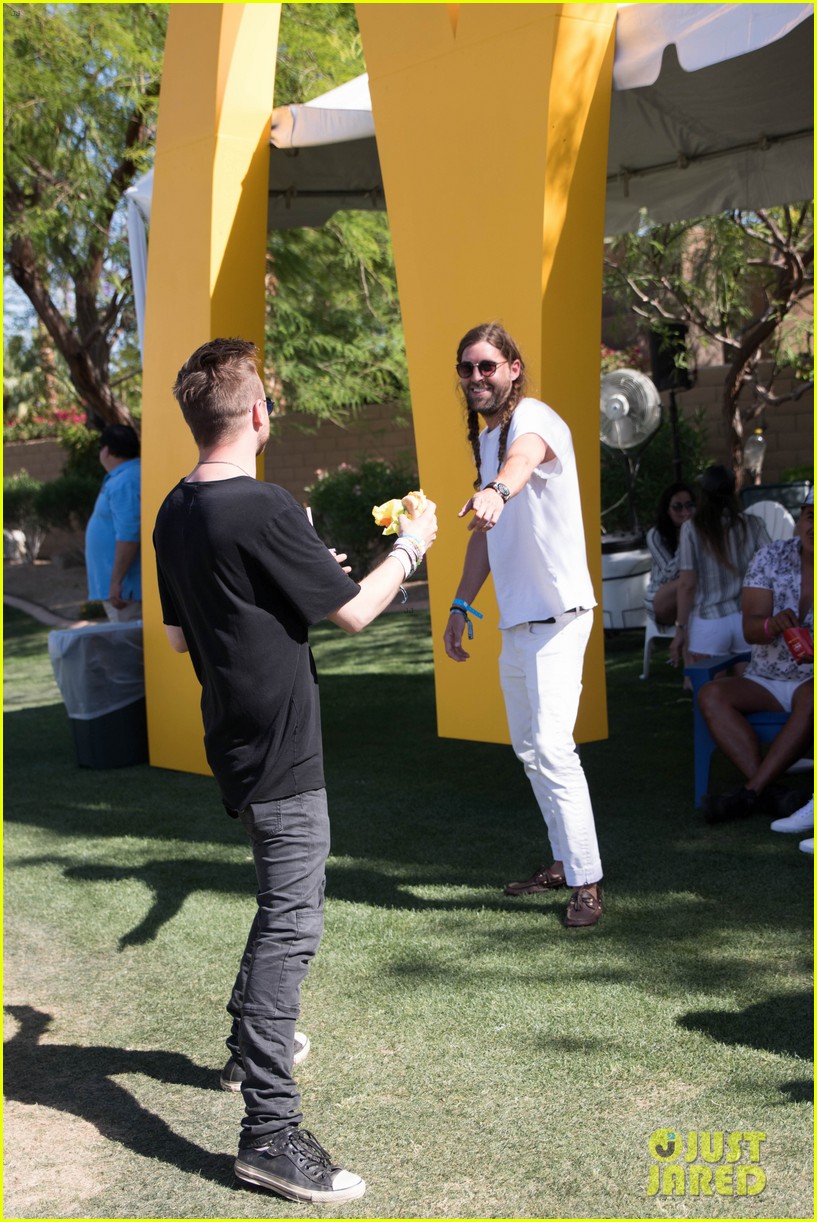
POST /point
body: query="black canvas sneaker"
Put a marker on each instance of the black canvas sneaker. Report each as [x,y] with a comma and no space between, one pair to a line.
[233,1073]
[296,1166]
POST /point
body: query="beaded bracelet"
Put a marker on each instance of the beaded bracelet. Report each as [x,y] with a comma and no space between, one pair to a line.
[414,539]
[410,549]
[409,545]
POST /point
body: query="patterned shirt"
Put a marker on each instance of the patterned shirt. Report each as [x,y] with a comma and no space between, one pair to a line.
[718,591]
[664,567]
[777,568]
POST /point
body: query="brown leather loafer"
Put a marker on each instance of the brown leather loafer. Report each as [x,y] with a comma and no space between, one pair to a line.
[584,908]
[544,879]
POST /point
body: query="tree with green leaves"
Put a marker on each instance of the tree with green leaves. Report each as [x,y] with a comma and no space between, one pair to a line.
[740,280]
[81,99]
[334,330]
[81,86]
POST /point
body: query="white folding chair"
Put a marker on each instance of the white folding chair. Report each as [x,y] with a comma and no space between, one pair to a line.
[653,631]
[778,520]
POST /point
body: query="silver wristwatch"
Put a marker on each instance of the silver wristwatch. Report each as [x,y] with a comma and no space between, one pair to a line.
[503,489]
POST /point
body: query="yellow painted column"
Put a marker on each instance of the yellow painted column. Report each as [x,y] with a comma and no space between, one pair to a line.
[205,278]
[492,124]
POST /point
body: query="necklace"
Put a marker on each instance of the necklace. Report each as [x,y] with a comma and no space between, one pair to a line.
[210,462]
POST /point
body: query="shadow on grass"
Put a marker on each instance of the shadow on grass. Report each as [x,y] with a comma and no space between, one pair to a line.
[78,1080]
[798,1091]
[781,1024]
[413,815]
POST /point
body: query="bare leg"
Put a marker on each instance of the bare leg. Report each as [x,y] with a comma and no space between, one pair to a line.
[724,703]
[789,743]
[665,602]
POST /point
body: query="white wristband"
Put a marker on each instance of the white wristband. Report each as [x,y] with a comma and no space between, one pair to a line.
[397,553]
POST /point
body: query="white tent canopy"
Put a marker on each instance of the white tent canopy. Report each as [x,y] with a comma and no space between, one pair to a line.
[711,109]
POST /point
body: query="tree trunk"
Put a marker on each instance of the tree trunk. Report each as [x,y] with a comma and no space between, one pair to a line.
[738,371]
[87,361]
[48,365]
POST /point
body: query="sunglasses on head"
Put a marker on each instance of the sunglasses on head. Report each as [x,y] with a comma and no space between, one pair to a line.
[680,506]
[486,368]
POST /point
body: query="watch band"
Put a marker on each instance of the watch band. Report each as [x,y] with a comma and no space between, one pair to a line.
[503,489]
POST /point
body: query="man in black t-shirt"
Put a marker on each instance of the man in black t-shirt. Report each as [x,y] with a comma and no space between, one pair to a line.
[242,576]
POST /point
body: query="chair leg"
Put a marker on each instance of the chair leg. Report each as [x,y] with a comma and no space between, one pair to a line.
[704,747]
[648,643]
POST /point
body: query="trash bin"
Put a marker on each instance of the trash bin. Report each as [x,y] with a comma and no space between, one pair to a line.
[625,572]
[99,670]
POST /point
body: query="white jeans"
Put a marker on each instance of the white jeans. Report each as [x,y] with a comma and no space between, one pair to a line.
[540,668]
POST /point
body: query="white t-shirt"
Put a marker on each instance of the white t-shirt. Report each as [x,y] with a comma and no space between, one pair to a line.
[537,552]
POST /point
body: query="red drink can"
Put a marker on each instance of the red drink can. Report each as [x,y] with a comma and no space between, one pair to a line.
[800,643]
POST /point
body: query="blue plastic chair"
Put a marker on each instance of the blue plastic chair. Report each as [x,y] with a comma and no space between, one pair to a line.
[766,725]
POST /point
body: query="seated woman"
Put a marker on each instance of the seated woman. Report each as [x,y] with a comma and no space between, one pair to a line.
[778,593]
[675,506]
[713,555]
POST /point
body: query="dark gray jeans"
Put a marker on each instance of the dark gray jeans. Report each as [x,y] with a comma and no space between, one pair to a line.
[290,844]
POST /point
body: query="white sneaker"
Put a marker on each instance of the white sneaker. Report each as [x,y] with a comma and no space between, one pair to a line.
[233,1073]
[300,1046]
[807,846]
[801,821]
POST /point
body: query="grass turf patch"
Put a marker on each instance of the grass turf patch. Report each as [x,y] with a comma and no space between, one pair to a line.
[471,1058]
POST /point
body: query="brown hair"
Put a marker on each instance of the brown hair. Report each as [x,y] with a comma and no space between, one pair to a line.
[494,333]
[213,388]
[718,512]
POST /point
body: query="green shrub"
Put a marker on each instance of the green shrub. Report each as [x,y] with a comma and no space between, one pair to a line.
[69,500]
[20,510]
[81,444]
[341,502]
[795,475]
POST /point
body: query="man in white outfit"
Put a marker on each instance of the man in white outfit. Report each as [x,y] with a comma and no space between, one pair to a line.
[526,530]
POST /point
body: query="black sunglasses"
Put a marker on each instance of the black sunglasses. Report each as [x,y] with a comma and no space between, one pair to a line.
[270,405]
[486,368]
[679,506]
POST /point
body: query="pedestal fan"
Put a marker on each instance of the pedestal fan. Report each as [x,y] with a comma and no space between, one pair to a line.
[630,418]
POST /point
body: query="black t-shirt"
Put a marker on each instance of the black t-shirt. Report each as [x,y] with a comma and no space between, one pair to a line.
[243,574]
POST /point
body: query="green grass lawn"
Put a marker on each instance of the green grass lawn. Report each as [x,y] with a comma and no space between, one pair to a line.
[471,1058]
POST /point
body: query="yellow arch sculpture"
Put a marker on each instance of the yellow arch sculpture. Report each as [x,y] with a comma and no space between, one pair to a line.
[492,126]
[208,235]
[492,130]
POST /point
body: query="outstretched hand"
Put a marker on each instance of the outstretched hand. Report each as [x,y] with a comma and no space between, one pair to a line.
[486,506]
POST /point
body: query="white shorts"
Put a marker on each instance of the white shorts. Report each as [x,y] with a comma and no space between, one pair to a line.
[714,636]
[782,689]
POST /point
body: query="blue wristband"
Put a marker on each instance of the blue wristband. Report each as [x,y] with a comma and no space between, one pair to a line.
[460,602]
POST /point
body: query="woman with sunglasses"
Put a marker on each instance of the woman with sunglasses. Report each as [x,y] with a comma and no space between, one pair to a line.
[716,546]
[675,506]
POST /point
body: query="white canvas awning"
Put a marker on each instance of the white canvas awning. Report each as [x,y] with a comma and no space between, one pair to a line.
[712,108]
